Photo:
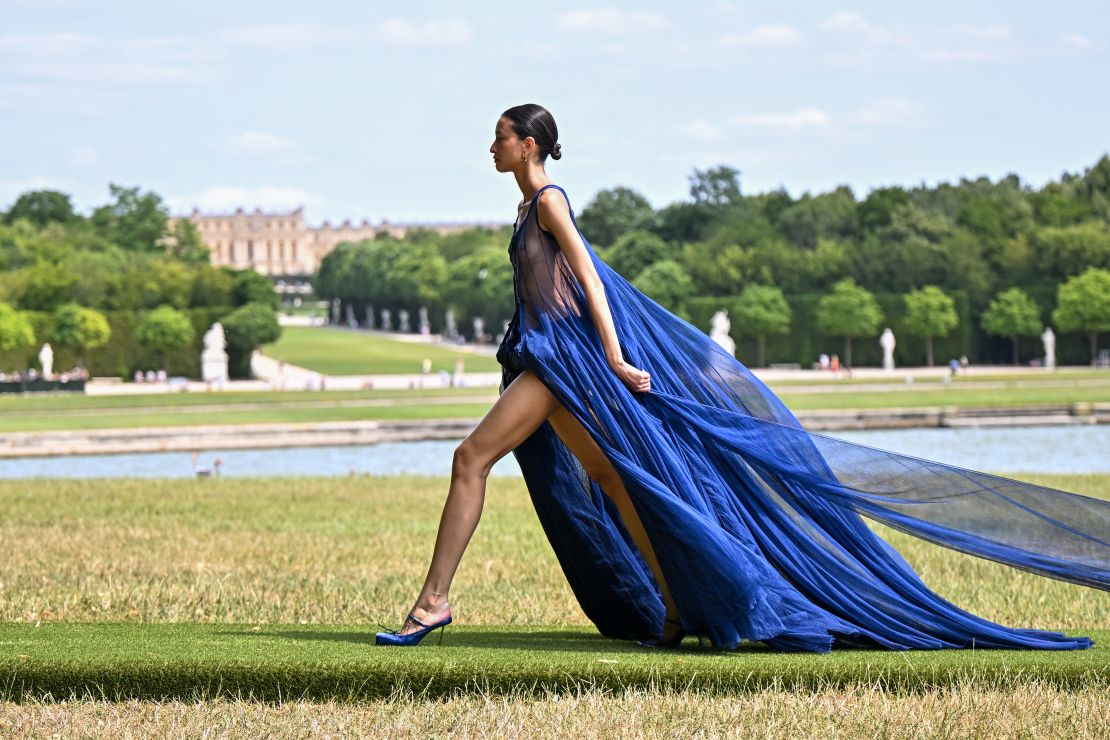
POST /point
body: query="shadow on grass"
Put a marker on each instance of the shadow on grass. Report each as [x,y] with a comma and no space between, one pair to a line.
[568,641]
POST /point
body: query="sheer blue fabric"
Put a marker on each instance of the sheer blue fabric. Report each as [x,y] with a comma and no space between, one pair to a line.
[756,522]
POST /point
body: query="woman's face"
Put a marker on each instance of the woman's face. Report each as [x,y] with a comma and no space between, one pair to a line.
[507,149]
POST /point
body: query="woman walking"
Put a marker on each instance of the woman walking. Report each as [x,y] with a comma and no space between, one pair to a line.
[681,496]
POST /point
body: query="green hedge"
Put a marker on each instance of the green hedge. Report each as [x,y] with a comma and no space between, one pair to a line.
[122,355]
[804,342]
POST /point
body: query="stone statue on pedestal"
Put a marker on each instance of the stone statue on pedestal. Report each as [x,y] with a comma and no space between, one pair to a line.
[886,341]
[403,320]
[46,359]
[719,331]
[213,359]
[1048,338]
[452,329]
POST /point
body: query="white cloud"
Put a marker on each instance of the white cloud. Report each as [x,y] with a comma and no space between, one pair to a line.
[702,130]
[448,32]
[1076,40]
[610,22]
[856,25]
[286,36]
[80,58]
[225,199]
[988,32]
[394,32]
[888,111]
[807,121]
[763,37]
[801,119]
[865,42]
[259,143]
[268,149]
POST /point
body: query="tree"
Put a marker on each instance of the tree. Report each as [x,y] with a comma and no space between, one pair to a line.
[247,328]
[163,329]
[716,186]
[253,287]
[667,284]
[186,244]
[634,252]
[1083,304]
[1012,314]
[80,328]
[848,311]
[42,207]
[762,310]
[612,214]
[16,332]
[44,286]
[135,221]
[930,312]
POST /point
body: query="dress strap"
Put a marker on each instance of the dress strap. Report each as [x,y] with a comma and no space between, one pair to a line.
[553,185]
[545,187]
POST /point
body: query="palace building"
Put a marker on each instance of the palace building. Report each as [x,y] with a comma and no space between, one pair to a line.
[281,244]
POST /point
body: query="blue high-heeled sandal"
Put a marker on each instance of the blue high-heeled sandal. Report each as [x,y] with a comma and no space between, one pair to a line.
[394,637]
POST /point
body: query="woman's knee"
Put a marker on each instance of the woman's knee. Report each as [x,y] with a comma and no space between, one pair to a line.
[470,460]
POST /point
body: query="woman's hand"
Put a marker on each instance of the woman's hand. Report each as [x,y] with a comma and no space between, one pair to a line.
[637,380]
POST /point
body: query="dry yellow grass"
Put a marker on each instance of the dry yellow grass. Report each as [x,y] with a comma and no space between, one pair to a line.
[355,550]
[961,712]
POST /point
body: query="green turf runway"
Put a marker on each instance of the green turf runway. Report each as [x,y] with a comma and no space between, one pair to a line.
[272,662]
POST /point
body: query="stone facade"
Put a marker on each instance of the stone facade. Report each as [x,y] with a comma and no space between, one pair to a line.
[282,244]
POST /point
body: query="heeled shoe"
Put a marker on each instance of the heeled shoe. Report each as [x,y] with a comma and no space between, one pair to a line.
[673,641]
[394,637]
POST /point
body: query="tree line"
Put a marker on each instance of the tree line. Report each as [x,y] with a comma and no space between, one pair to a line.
[1020,258]
[121,289]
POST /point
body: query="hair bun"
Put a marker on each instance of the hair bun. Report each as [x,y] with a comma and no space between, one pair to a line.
[556,151]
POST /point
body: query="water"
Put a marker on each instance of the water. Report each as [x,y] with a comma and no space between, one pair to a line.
[1044,449]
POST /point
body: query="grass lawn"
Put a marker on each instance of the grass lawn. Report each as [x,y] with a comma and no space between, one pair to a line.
[194,596]
[56,412]
[343,352]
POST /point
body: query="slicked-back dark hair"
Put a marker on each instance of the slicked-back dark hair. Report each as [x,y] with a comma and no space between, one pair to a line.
[536,121]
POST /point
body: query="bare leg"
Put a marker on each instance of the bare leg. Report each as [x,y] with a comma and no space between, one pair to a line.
[520,410]
[597,465]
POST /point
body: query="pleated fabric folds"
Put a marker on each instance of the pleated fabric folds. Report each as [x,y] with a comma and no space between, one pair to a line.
[756,522]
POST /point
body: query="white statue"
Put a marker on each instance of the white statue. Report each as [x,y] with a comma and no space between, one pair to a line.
[213,360]
[46,359]
[387,321]
[479,329]
[719,331]
[1049,340]
[403,320]
[887,342]
[452,329]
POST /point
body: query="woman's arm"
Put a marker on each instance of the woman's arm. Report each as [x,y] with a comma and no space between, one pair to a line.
[554,215]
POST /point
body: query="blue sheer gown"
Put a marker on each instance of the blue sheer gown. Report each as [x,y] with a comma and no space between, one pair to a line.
[755,521]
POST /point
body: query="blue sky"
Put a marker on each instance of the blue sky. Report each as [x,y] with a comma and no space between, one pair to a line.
[382,110]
